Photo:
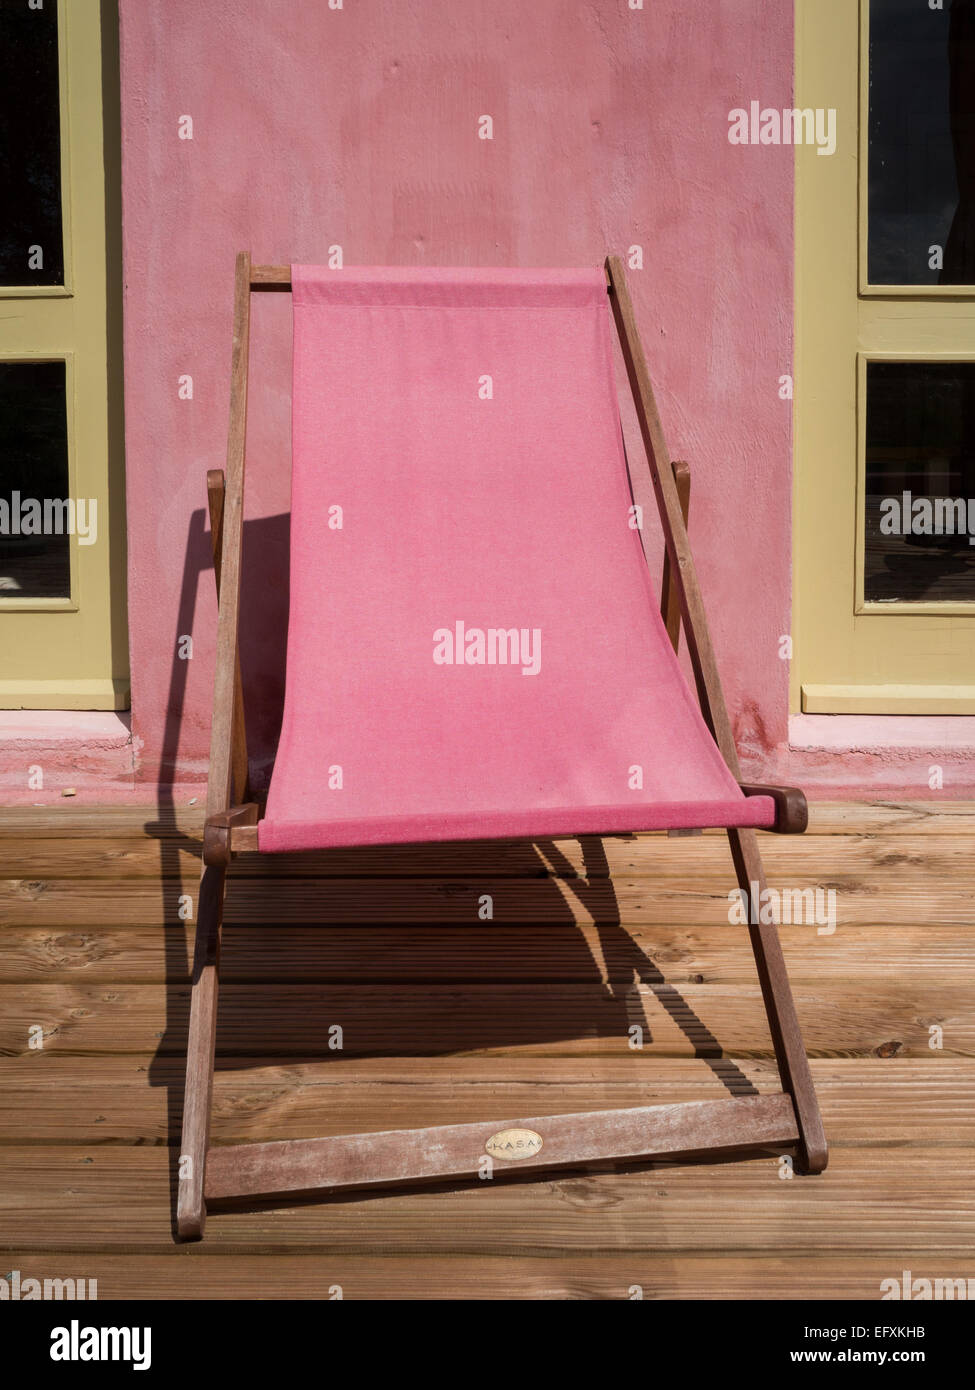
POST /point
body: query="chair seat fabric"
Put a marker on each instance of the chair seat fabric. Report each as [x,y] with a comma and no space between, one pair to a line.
[474,645]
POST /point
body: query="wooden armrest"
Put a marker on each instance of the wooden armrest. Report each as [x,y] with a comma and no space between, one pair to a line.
[217,832]
[791,810]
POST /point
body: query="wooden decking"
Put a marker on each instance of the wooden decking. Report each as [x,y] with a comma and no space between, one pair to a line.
[447,1017]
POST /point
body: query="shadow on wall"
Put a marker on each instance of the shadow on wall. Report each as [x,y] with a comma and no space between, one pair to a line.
[295,960]
[264,590]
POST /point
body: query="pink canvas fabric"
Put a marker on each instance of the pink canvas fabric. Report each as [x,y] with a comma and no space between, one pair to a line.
[474,648]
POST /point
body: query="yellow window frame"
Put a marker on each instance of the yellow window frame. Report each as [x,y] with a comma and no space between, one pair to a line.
[851,656]
[72,653]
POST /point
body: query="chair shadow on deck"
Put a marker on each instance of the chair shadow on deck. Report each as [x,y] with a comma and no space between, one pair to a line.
[549,891]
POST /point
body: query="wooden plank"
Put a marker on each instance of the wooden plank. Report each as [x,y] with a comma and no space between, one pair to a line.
[872,1015]
[653,856]
[195,1273]
[933,817]
[68,818]
[62,818]
[113,856]
[901,896]
[53,1097]
[540,1143]
[903,1203]
[580,954]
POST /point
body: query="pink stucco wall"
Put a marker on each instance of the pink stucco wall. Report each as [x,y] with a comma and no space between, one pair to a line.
[358,126]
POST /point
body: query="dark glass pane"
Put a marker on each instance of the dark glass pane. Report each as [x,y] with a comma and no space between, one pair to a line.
[36,512]
[921,165]
[920,482]
[30,146]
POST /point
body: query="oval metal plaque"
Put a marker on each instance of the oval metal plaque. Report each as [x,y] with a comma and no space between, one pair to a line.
[511,1144]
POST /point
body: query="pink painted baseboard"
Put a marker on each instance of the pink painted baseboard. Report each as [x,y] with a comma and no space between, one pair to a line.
[832,757]
[89,751]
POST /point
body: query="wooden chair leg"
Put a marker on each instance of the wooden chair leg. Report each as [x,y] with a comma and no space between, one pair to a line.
[790,1050]
[190,1205]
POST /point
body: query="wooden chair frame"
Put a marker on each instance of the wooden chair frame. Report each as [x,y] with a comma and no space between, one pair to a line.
[786,1121]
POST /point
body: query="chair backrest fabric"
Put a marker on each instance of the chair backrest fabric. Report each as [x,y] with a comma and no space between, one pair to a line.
[474,644]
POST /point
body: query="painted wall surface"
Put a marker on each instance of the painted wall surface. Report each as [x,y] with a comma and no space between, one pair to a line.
[359,127]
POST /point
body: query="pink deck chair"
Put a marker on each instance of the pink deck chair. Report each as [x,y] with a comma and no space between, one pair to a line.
[474,652]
